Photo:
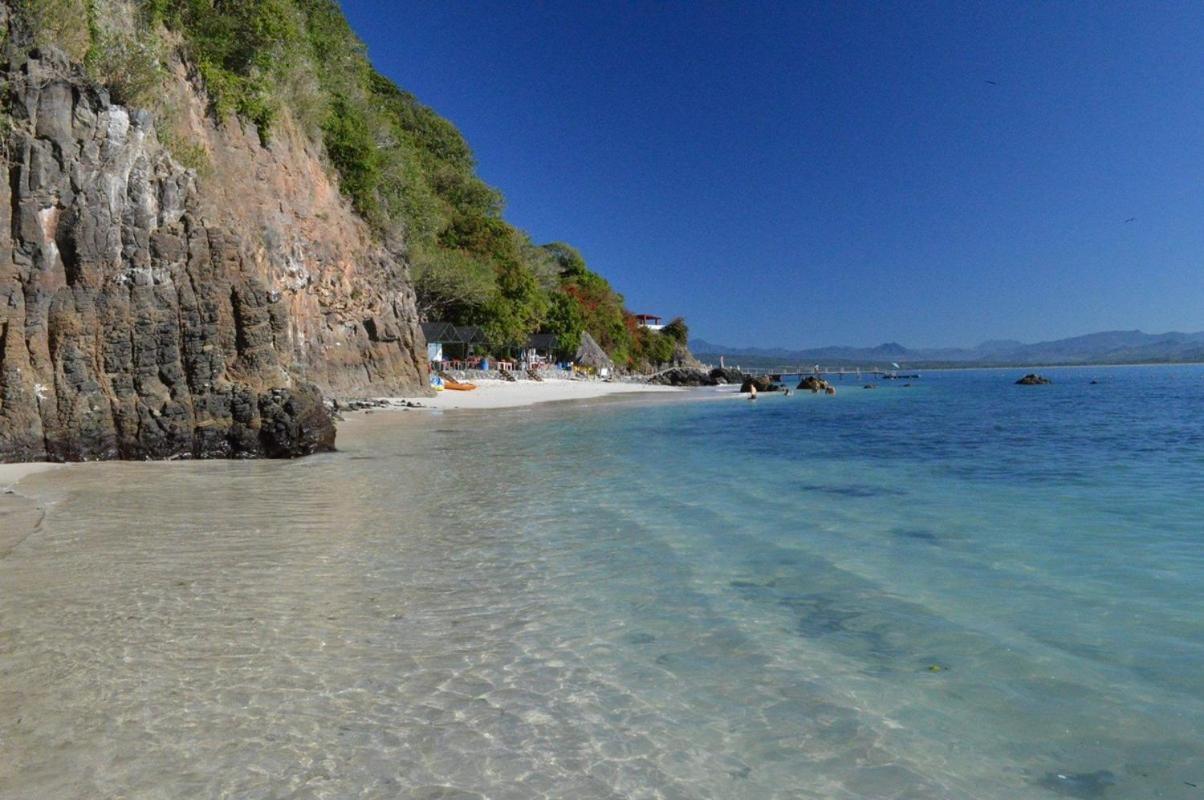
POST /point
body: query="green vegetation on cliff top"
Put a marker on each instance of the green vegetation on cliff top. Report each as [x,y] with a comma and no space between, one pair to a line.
[407,171]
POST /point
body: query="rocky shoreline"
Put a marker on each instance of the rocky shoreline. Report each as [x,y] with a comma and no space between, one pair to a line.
[147,312]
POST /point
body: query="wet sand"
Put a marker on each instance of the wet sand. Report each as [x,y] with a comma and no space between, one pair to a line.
[11,474]
[19,515]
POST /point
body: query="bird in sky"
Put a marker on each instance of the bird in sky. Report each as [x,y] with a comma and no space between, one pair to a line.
[1131,219]
[991,82]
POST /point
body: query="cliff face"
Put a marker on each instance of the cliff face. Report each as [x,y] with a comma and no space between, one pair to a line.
[146,312]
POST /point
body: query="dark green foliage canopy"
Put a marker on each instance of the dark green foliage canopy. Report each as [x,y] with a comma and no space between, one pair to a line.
[677,330]
[564,320]
[407,171]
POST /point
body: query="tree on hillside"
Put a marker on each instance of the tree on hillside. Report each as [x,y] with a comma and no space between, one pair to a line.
[407,171]
[516,310]
[450,285]
[654,347]
[677,330]
[569,259]
[564,320]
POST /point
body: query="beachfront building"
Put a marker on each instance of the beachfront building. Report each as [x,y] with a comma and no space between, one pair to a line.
[540,349]
[446,343]
[435,333]
[650,321]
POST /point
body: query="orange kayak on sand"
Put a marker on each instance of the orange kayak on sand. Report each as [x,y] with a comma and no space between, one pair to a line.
[456,386]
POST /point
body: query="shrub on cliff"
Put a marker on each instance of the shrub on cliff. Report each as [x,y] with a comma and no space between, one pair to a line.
[407,171]
[677,330]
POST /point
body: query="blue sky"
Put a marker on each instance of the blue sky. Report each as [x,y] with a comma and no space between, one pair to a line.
[799,174]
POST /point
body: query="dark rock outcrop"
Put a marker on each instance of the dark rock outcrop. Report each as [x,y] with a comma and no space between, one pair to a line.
[814,385]
[763,383]
[137,317]
[683,376]
[727,375]
[1033,379]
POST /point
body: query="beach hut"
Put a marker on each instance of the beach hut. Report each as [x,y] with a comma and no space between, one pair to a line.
[437,334]
[445,341]
[540,349]
[591,356]
[469,335]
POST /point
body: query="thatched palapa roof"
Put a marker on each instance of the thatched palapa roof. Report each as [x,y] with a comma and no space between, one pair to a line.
[591,354]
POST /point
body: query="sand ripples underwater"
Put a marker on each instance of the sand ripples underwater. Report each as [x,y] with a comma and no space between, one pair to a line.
[960,589]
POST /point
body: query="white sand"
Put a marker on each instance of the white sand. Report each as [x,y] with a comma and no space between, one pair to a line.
[503,394]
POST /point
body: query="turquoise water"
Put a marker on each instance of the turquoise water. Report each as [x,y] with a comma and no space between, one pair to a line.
[960,589]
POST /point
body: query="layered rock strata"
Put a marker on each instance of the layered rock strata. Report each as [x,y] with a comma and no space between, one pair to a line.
[149,313]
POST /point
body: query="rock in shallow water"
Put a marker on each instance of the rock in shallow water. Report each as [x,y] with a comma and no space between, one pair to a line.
[762,383]
[816,385]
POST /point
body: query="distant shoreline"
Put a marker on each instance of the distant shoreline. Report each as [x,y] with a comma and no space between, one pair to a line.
[964,367]
[1031,367]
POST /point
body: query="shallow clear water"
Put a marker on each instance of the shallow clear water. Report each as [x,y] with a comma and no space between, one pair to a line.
[961,589]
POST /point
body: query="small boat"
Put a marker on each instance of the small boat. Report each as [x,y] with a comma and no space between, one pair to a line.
[457,386]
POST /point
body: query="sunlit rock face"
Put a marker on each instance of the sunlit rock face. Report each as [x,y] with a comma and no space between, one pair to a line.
[148,312]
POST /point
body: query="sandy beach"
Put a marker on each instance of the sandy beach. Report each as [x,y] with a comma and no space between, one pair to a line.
[11,474]
[505,394]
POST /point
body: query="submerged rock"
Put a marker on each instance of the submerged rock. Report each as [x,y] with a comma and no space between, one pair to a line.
[1033,379]
[1078,784]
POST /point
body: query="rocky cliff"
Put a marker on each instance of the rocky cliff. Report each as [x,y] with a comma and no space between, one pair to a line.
[147,311]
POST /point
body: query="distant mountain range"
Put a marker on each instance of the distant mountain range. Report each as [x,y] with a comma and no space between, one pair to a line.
[1107,347]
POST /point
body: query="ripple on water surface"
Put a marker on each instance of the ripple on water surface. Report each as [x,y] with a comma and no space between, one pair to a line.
[954,590]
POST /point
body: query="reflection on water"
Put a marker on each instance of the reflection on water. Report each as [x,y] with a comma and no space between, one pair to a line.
[877,595]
